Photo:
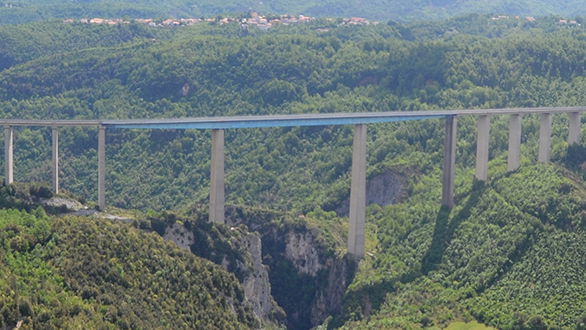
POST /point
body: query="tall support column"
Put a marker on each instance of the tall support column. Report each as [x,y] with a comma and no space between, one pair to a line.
[358,193]
[575,121]
[545,138]
[217,197]
[514,155]
[55,158]
[482,142]
[102,167]
[8,154]
[449,161]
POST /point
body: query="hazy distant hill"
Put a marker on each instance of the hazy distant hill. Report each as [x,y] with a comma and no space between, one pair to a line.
[12,11]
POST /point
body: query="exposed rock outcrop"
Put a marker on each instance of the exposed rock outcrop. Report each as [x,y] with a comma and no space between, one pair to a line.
[238,251]
[67,204]
[330,273]
[301,250]
[328,300]
[183,237]
[383,189]
[308,279]
[257,287]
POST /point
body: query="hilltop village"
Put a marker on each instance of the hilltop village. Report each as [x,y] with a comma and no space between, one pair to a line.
[265,22]
[533,19]
[254,19]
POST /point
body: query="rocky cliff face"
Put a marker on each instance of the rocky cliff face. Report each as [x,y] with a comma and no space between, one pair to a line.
[180,235]
[289,276]
[238,251]
[382,189]
[331,274]
[308,280]
[328,300]
[300,249]
[257,287]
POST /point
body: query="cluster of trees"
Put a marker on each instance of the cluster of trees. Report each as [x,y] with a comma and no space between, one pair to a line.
[207,71]
[441,265]
[22,43]
[504,257]
[79,272]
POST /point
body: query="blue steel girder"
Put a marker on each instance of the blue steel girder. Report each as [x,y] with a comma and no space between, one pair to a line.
[252,123]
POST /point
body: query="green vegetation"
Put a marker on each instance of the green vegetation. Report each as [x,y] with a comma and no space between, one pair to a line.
[510,255]
[214,70]
[82,273]
[12,11]
[323,235]
[507,258]
[467,326]
[22,43]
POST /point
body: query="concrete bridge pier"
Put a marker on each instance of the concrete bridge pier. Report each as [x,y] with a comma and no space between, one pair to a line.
[575,121]
[55,158]
[482,143]
[545,138]
[8,155]
[217,197]
[101,167]
[449,168]
[514,154]
[358,193]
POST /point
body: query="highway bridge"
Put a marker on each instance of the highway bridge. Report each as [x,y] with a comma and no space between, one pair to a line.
[359,120]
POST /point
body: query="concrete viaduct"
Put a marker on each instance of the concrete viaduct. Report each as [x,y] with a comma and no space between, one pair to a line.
[358,176]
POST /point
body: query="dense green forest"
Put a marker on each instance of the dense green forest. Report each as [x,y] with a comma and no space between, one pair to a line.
[215,70]
[503,257]
[21,11]
[75,272]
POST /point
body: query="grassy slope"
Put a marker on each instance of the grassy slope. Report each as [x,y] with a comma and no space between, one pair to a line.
[79,272]
[512,254]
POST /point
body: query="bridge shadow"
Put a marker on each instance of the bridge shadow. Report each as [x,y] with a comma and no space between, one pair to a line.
[445,229]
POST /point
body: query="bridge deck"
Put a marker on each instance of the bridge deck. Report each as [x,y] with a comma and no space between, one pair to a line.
[359,164]
[321,119]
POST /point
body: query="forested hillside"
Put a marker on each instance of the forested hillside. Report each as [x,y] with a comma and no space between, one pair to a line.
[76,272]
[22,43]
[12,11]
[207,71]
[509,255]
